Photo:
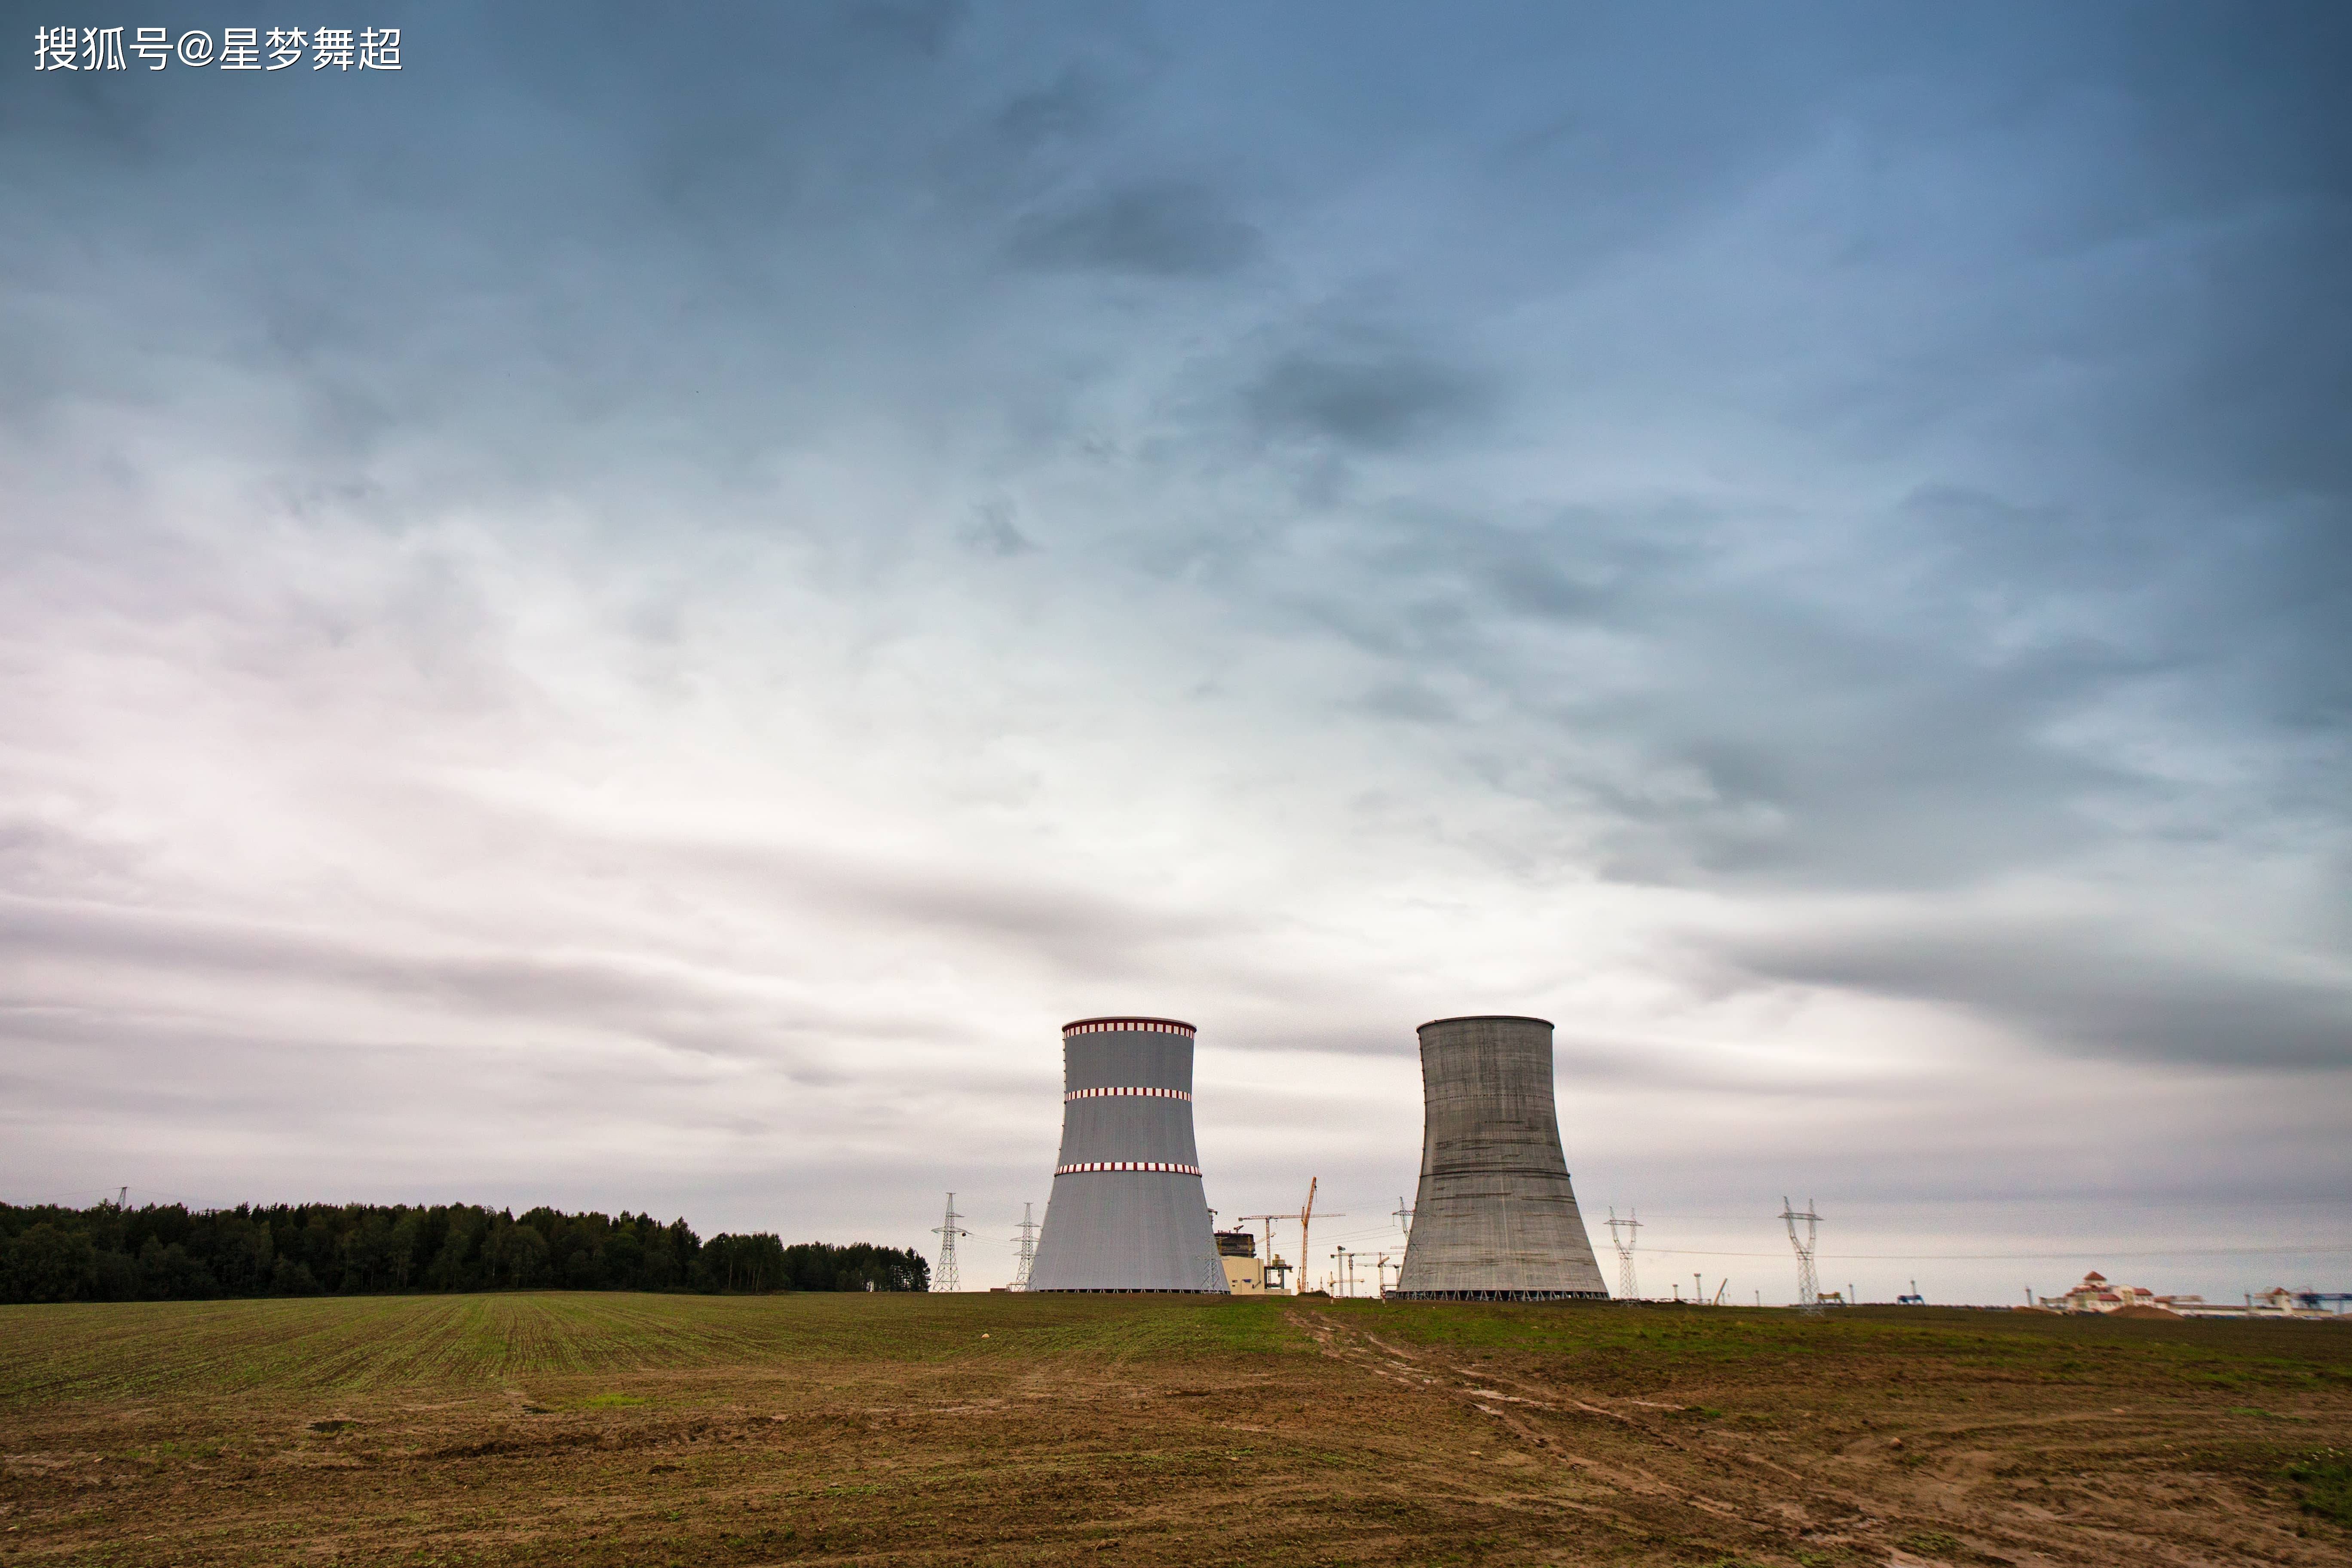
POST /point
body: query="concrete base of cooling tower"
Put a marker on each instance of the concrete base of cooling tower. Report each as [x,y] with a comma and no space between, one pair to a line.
[1513,1237]
[1123,1231]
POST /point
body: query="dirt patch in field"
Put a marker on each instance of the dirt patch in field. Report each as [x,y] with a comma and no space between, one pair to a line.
[633,1430]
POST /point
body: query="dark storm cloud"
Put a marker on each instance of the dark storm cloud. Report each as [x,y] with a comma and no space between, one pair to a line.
[1168,228]
[1910,693]
[2237,598]
[2247,140]
[2096,990]
[1797,747]
[1070,107]
[1079,929]
[1033,912]
[623,994]
[1364,391]
[559,239]
[1827,760]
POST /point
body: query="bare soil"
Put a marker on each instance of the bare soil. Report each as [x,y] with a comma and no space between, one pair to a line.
[637,1429]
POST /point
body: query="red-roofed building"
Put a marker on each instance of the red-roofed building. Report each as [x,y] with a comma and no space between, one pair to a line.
[2095,1295]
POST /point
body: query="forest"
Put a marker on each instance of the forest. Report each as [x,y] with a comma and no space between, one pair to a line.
[169,1252]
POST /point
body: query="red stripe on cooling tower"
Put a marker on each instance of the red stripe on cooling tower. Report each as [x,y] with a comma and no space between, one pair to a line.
[1128,1166]
[1129,1026]
[1153,1093]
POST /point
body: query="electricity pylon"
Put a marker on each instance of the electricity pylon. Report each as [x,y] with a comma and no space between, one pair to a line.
[1404,1217]
[1809,1290]
[944,1278]
[1028,1239]
[1623,1234]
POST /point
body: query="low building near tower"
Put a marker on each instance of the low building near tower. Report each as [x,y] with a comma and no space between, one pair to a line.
[1244,1273]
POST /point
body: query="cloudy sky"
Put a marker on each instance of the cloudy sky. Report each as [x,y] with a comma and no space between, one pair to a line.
[632,614]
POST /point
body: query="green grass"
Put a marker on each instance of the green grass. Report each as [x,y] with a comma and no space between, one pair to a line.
[2325,1481]
[1719,1341]
[594,1342]
[142,1350]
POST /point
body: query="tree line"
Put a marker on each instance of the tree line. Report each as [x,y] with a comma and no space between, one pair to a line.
[169,1252]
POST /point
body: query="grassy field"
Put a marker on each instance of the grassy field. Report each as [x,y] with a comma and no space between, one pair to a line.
[642,1429]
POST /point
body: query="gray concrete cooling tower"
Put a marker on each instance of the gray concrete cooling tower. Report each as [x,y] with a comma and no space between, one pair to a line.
[1496,1219]
[1127,1212]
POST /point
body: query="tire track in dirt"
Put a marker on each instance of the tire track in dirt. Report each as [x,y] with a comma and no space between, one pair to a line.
[1769,1499]
[1426,1372]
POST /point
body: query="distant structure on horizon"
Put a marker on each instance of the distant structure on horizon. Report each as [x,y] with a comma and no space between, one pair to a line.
[2096,1293]
[1128,1210]
[1495,1218]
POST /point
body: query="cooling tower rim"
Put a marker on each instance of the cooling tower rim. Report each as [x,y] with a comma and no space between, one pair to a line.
[1145,1025]
[1487,1018]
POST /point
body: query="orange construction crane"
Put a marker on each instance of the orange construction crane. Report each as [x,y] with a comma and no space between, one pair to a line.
[1305,1219]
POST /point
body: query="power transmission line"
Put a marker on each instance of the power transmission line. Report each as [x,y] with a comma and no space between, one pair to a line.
[1628,1288]
[945,1276]
[1809,1293]
[1028,1239]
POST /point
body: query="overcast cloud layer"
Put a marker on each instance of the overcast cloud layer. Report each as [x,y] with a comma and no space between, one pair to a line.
[633,615]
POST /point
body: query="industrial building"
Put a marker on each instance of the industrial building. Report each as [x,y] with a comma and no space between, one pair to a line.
[1245,1272]
[1495,1218]
[1127,1212]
